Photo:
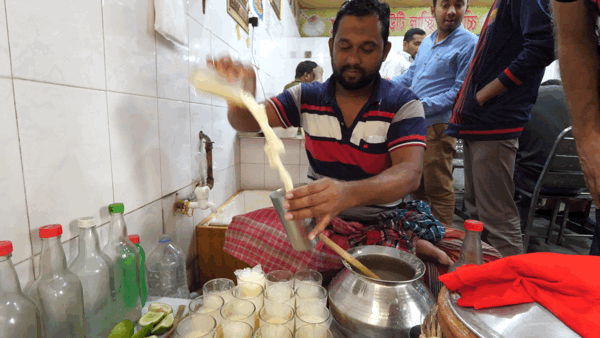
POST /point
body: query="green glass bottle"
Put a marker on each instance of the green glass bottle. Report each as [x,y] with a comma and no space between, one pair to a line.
[135,239]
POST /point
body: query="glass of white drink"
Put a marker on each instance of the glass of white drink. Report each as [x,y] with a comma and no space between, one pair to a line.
[312,313]
[252,292]
[235,330]
[313,331]
[280,293]
[220,286]
[277,313]
[307,276]
[273,331]
[239,311]
[310,293]
[210,304]
[196,326]
[280,277]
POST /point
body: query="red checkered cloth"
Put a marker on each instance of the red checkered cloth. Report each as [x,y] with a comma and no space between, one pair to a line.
[259,238]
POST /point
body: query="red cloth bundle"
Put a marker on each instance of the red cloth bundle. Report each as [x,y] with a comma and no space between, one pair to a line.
[566,285]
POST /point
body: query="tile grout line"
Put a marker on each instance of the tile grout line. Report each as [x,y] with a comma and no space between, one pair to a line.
[19,138]
[112,174]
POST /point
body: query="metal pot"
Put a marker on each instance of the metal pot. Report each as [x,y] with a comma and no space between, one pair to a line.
[366,307]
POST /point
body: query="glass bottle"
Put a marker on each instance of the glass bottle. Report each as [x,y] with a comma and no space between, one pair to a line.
[135,239]
[471,252]
[19,316]
[125,258]
[58,291]
[93,268]
[166,271]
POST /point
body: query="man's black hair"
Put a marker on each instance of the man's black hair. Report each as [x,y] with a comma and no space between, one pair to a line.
[305,67]
[435,2]
[552,82]
[410,34]
[363,8]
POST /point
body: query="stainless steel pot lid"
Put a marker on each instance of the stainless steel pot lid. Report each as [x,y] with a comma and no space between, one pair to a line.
[524,320]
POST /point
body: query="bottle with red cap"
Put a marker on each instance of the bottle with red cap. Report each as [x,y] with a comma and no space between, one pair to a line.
[135,239]
[58,291]
[19,316]
[93,269]
[126,266]
[471,252]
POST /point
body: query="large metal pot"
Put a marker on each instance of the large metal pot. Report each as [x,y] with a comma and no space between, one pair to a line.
[366,307]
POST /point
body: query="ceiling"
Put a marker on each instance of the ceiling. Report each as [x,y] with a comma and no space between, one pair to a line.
[328,4]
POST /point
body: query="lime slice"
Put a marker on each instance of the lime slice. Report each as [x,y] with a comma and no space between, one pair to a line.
[143,332]
[151,318]
[164,326]
[122,330]
[160,307]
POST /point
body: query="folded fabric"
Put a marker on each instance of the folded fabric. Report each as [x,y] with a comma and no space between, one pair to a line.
[566,285]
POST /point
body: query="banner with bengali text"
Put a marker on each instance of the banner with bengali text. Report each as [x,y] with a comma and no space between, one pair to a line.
[319,22]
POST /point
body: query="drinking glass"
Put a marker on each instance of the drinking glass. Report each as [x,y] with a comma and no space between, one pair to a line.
[210,304]
[280,276]
[273,331]
[312,313]
[278,313]
[280,293]
[307,276]
[310,293]
[313,331]
[235,330]
[239,311]
[220,286]
[252,292]
[196,325]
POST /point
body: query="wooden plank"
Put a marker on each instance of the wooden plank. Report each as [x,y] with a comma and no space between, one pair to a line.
[451,325]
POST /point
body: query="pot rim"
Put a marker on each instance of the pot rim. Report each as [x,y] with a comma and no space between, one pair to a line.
[412,260]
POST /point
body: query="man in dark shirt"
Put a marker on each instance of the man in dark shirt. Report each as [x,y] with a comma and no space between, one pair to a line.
[306,72]
[575,23]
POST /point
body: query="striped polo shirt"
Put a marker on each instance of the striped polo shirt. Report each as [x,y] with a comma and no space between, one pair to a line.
[392,118]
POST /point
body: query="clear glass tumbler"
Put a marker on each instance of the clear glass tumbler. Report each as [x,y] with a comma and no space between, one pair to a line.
[279,293]
[273,331]
[277,314]
[235,330]
[221,287]
[239,311]
[196,326]
[252,292]
[208,304]
[280,276]
[312,313]
[307,276]
[313,331]
[311,293]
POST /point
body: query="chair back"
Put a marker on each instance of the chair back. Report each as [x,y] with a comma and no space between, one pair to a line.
[562,169]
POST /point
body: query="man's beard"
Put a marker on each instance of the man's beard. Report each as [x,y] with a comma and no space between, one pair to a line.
[364,81]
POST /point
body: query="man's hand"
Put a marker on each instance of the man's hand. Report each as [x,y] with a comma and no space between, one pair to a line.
[323,199]
[490,91]
[588,148]
[234,71]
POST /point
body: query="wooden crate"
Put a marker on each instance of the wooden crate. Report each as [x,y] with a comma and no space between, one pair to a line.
[213,262]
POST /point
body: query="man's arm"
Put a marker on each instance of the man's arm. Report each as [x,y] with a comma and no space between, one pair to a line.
[239,117]
[538,49]
[406,78]
[579,68]
[326,198]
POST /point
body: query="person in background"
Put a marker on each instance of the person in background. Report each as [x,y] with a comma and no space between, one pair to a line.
[306,72]
[492,107]
[398,64]
[579,60]
[436,76]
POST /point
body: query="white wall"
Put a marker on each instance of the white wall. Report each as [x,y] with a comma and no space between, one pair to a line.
[95,108]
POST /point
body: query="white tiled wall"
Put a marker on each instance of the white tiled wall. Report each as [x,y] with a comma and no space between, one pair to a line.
[95,108]
[256,172]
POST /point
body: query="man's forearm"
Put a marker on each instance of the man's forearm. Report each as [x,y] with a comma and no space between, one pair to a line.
[241,119]
[389,186]
[579,66]
[490,91]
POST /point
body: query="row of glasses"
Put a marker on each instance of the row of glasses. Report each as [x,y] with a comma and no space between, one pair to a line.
[293,280]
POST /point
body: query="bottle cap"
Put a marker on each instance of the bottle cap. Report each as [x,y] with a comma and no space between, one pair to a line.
[52,230]
[6,248]
[86,222]
[473,225]
[135,239]
[116,208]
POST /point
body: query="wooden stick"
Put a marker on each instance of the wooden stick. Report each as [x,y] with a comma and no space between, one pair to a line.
[176,321]
[353,261]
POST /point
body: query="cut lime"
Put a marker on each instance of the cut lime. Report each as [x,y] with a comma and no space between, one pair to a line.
[151,318]
[165,325]
[122,330]
[143,332]
[160,307]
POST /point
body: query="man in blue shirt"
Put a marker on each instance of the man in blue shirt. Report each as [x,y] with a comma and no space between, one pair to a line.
[436,77]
